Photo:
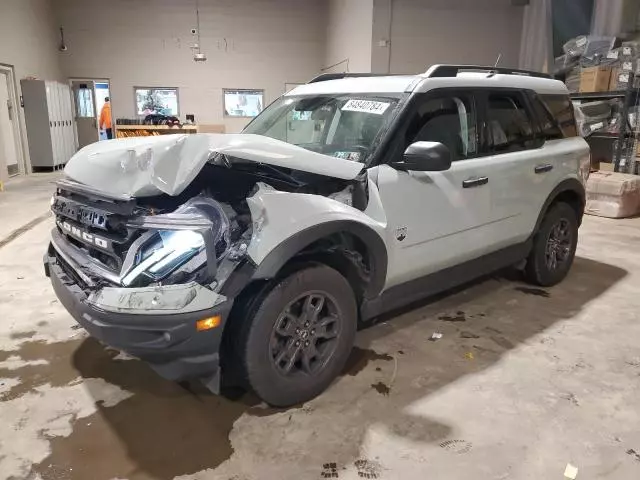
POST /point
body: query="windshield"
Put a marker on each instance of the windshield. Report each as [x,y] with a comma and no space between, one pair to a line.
[346,126]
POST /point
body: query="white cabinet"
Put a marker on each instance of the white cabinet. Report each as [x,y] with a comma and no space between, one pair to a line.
[48,114]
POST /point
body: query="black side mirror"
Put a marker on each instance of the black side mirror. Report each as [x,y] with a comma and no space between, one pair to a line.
[425,157]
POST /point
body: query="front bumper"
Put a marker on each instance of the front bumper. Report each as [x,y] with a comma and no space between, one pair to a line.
[170,343]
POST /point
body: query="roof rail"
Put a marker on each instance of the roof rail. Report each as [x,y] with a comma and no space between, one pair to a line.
[323,77]
[453,70]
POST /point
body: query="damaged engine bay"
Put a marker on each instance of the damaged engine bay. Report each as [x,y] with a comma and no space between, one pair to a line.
[186,245]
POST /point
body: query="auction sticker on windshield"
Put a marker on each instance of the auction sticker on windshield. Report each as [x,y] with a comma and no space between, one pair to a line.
[366,106]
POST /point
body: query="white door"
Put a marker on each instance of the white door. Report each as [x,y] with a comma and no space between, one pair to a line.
[437,219]
[8,134]
[85,112]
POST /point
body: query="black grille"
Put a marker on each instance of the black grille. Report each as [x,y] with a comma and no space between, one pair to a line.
[99,229]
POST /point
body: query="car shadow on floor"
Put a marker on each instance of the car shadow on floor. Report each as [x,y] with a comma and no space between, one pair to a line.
[164,430]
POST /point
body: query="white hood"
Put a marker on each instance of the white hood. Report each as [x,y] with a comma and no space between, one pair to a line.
[146,166]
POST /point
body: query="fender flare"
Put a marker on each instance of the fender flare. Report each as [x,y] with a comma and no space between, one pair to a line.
[567,185]
[286,250]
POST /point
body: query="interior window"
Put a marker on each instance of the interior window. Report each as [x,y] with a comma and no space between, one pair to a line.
[448,120]
[509,125]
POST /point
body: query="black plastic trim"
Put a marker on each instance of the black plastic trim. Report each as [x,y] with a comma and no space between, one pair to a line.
[453,70]
[286,250]
[418,289]
[238,279]
[324,77]
[567,185]
[170,343]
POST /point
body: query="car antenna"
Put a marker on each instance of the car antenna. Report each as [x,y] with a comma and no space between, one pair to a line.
[493,72]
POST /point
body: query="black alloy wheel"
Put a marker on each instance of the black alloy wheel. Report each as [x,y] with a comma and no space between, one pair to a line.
[554,246]
[296,334]
[558,250]
[304,337]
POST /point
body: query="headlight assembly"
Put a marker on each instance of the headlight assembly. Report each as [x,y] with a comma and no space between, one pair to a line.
[196,234]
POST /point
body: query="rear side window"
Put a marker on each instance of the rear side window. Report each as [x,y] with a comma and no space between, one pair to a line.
[561,109]
[510,128]
[549,127]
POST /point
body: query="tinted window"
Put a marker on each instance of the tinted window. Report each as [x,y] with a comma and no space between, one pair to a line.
[548,124]
[450,120]
[509,126]
[561,108]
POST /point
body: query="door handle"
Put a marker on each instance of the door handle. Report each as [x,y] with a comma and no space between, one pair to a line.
[543,168]
[475,182]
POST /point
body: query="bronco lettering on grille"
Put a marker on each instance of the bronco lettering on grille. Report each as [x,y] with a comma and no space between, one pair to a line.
[84,236]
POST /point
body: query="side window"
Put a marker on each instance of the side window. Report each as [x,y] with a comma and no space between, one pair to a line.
[510,128]
[561,108]
[450,120]
[548,125]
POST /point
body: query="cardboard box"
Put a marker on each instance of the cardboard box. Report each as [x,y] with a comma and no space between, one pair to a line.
[606,167]
[595,79]
[613,80]
[613,195]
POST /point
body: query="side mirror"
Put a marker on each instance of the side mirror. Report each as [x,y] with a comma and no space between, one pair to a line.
[425,157]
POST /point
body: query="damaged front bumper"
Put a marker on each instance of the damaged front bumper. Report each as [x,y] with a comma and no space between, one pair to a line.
[155,324]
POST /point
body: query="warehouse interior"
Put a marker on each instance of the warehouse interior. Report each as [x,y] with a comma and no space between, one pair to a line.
[491,379]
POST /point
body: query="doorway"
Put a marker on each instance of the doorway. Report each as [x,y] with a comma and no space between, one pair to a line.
[10,146]
[88,98]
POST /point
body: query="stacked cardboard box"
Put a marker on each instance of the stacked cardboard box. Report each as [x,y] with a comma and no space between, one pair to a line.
[613,195]
[595,79]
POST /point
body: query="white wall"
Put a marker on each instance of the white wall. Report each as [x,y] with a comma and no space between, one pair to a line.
[29,43]
[426,32]
[349,27]
[259,44]
[29,39]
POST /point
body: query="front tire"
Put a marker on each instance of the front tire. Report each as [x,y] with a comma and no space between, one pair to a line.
[554,246]
[299,336]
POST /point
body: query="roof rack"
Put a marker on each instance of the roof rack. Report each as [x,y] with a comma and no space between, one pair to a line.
[453,70]
[323,77]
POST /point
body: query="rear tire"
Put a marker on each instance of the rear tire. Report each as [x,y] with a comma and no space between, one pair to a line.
[298,336]
[554,246]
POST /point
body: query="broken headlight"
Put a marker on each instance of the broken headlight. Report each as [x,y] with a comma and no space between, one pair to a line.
[193,237]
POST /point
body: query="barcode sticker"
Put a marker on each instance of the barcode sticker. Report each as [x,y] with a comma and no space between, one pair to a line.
[366,106]
[613,54]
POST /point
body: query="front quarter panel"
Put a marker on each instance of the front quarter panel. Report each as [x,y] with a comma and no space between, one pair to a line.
[278,216]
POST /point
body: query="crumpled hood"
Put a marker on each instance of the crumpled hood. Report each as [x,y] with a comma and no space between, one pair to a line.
[146,166]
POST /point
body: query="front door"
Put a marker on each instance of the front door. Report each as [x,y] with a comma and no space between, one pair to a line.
[437,219]
[84,97]
[8,130]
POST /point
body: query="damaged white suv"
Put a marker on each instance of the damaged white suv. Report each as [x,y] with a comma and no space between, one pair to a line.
[249,259]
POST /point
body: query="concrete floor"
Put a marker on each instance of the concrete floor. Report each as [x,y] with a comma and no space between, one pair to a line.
[523,382]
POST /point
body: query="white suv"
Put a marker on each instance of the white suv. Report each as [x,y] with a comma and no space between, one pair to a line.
[250,258]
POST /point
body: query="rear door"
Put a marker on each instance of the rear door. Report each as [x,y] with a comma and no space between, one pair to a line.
[514,151]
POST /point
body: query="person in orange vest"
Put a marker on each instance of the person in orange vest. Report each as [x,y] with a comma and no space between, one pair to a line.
[105,118]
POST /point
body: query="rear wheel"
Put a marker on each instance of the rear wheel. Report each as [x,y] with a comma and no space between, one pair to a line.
[554,246]
[299,336]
